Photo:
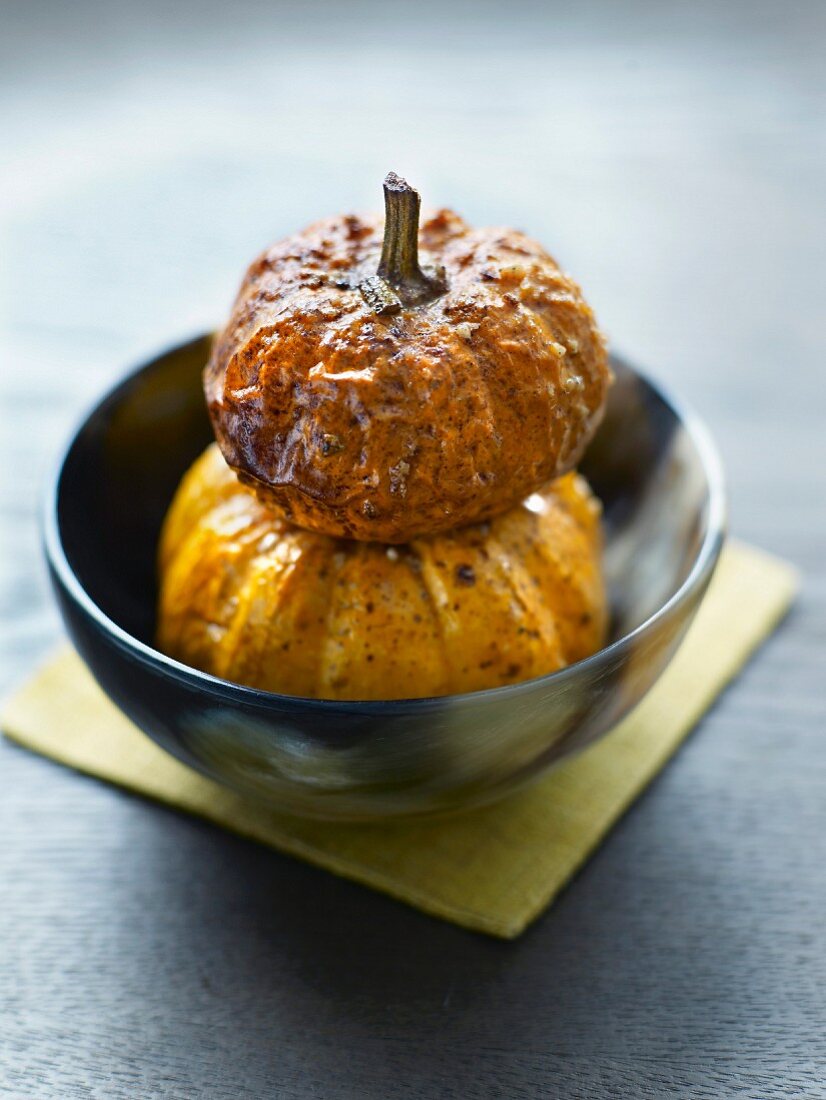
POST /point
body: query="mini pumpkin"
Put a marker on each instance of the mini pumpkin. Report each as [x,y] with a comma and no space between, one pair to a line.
[371,393]
[249,597]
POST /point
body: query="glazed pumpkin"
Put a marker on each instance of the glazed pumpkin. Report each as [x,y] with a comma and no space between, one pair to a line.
[371,393]
[251,598]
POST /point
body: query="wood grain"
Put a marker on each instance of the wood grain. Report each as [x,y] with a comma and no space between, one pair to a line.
[673,157]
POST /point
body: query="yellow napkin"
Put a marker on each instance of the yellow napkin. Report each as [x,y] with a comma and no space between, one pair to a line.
[492,870]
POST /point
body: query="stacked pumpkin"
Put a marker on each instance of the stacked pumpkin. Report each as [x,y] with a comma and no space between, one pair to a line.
[390,509]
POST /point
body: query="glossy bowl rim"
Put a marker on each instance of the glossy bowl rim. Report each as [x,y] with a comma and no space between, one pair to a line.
[698,575]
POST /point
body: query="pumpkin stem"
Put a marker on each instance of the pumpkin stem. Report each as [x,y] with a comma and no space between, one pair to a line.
[399,264]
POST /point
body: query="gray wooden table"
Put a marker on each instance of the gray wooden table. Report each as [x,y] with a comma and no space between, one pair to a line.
[674,157]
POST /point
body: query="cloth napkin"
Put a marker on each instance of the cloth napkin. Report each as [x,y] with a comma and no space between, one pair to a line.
[492,870]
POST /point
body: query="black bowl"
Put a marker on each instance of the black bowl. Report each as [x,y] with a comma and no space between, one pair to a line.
[659,480]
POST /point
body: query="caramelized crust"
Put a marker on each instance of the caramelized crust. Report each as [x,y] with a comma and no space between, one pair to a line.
[387,427]
[248,597]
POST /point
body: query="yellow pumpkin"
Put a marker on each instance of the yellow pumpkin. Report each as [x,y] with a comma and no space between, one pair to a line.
[250,598]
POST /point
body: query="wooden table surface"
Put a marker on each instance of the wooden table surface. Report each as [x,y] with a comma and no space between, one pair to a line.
[674,157]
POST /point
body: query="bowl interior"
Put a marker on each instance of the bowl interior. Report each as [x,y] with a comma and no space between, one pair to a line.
[648,466]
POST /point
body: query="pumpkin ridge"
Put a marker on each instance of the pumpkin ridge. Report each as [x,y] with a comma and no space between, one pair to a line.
[256,562]
[563,554]
[422,549]
[544,624]
[337,565]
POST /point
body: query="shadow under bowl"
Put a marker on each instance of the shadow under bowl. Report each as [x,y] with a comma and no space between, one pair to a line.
[651,464]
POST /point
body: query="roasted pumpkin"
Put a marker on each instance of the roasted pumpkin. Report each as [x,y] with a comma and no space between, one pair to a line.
[370,392]
[249,597]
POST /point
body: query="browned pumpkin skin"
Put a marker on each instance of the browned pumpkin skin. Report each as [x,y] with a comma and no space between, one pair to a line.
[385,428]
[250,598]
